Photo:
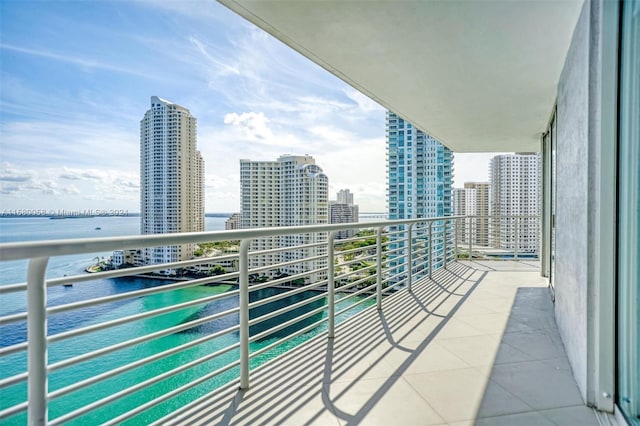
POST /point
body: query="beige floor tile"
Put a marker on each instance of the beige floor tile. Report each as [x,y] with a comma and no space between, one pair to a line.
[497,401]
[474,350]
[416,330]
[434,358]
[381,402]
[454,327]
[493,323]
[470,307]
[539,383]
[366,364]
[454,394]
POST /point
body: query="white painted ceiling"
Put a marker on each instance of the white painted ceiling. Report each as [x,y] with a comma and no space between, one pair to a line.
[478,75]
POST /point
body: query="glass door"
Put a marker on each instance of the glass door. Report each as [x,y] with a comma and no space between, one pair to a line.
[549,202]
[628,344]
[552,259]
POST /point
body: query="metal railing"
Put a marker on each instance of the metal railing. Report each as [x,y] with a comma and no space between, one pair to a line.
[138,353]
[498,237]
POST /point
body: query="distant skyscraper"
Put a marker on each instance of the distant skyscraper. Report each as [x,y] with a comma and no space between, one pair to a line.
[515,190]
[420,173]
[477,204]
[473,200]
[343,211]
[233,222]
[171,179]
[290,191]
[457,202]
[458,209]
[345,196]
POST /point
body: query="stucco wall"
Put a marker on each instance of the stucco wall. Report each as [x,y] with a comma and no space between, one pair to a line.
[572,189]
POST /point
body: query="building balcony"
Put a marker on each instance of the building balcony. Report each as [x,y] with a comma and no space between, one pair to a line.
[397,325]
[476,344]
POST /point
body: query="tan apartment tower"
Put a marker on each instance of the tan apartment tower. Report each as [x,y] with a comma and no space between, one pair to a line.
[171,180]
[476,200]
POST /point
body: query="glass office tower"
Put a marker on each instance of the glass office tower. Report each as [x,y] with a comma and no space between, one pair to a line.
[419,184]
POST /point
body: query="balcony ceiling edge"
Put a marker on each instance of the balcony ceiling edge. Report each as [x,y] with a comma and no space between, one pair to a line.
[478,76]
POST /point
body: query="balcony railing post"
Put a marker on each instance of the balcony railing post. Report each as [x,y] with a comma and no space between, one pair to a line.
[410,257]
[456,222]
[37,341]
[331,309]
[444,243]
[244,313]
[469,236]
[379,268]
[430,251]
[517,242]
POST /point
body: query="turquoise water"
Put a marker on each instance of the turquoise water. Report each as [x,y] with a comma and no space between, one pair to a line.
[9,365]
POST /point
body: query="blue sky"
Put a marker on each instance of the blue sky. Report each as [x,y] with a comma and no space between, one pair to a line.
[76,78]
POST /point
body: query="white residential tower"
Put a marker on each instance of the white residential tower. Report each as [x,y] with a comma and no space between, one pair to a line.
[171,179]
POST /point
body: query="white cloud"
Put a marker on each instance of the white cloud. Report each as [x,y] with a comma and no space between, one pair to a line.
[364,103]
[9,174]
[64,187]
[254,124]
[83,63]
[213,61]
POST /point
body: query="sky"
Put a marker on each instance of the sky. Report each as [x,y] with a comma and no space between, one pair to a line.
[76,78]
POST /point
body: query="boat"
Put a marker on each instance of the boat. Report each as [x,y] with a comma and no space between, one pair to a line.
[97,228]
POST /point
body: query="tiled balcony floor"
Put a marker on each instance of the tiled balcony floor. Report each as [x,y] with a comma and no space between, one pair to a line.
[476,345]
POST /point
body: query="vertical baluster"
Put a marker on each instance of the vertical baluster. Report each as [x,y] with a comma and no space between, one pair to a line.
[37,338]
[430,251]
[469,235]
[456,224]
[444,243]
[379,269]
[517,238]
[331,309]
[410,259]
[244,313]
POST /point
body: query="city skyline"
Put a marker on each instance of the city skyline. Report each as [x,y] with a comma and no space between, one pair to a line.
[75,76]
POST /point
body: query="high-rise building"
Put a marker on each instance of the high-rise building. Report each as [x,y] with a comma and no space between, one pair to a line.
[233,222]
[344,196]
[343,211]
[457,202]
[458,209]
[476,203]
[420,173]
[515,191]
[171,179]
[290,191]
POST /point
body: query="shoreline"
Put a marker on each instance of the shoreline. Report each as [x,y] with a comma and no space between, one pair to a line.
[161,278]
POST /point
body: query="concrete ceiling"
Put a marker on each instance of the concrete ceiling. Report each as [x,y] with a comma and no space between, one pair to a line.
[478,75]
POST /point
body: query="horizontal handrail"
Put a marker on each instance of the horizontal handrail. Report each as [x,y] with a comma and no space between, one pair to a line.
[30,250]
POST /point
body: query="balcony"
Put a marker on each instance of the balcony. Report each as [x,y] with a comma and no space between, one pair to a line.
[367,333]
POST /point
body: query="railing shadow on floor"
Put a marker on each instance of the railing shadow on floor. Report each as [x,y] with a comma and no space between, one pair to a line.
[283,387]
